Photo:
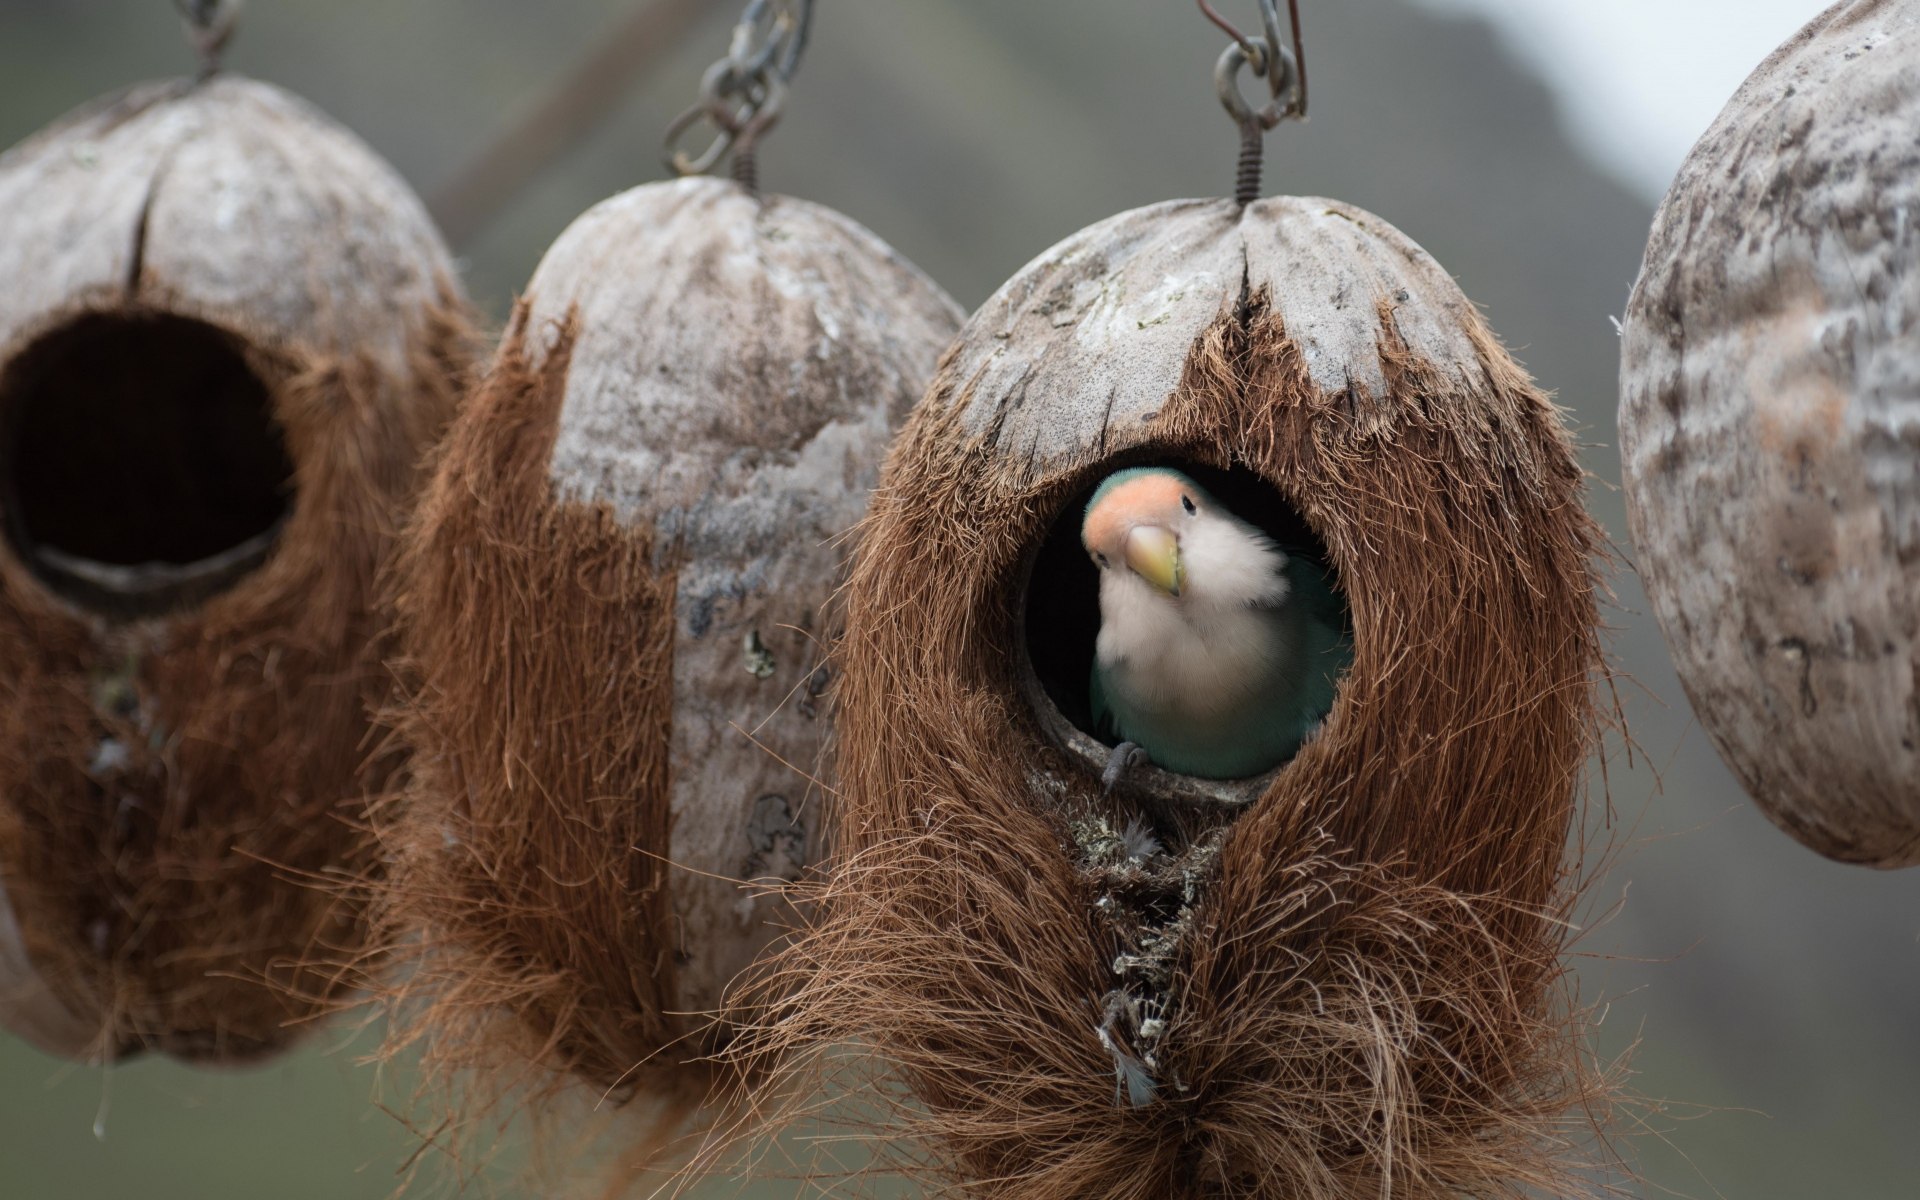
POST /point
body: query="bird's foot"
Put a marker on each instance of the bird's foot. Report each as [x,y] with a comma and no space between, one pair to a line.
[1124,758]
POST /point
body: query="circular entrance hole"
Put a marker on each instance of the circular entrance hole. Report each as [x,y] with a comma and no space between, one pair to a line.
[141,468]
[1060,614]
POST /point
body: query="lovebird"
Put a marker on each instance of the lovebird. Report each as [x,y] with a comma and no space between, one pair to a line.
[1218,650]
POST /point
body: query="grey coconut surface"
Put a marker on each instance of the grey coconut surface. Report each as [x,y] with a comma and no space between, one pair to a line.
[1758,979]
[1130,296]
[179,197]
[614,605]
[739,369]
[1106,320]
[185,199]
[965,947]
[1770,432]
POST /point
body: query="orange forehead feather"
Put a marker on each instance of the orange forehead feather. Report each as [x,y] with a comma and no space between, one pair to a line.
[1150,499]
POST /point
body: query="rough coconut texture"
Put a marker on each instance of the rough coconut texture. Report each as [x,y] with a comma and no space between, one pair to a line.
[613,607]
[171,784]
[1769,402]
[1351,986]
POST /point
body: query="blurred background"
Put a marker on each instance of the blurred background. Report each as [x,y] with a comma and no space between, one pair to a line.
[1768,996]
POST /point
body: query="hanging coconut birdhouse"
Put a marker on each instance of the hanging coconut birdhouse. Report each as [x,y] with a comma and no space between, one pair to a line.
[227,333]
[1769,367]
[613,606]
[1199,456]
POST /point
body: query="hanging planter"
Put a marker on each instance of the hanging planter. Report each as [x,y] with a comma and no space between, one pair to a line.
[1767,369]
[613,604]
[1337,978]
[227,333]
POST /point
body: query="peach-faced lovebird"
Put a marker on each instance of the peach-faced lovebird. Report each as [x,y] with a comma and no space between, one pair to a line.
[1218,651]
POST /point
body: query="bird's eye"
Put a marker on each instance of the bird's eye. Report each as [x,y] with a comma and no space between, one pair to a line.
[1186,502]
[1102,560]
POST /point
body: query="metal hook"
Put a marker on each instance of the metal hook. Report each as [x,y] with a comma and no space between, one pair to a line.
[210,25]
[1226,82]
[1254,51]
[740,110]
[743,94]
[1227,27]
[1299,106]
[787,28]
[1285,73]
[741,51]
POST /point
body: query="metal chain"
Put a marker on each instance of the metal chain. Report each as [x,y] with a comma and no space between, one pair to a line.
[210,26]
[743,94]
[1269,58]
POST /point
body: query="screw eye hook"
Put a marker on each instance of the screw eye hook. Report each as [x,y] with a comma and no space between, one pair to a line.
[210,26]
[1226,81]
[742,96]
[1285,71]
[1254,53]
[739,110]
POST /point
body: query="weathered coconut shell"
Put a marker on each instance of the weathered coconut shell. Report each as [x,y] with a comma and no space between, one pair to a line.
[614,604]
[1769,371]
[1341,978]
[182,736]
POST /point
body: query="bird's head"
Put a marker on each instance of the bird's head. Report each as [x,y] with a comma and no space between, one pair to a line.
[1153,527]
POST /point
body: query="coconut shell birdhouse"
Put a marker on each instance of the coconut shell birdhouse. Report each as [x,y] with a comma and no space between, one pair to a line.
[1334,978]
[227,333]
[1769,367]
[613,608]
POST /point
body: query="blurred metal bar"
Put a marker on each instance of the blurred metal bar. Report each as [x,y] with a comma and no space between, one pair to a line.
[469,202]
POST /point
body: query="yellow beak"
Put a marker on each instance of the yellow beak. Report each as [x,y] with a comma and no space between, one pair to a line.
[1154,554]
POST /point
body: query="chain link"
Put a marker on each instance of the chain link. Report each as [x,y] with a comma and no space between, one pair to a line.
[743,95]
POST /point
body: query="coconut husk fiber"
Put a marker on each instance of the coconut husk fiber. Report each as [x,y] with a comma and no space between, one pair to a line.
[1343,980]
[611,604]
[1768,366]
[228,333]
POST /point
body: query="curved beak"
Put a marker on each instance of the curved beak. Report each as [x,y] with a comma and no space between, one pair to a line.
[1154,554]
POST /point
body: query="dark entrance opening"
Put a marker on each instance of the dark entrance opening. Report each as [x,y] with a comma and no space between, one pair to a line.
[141,468]
[1061,601]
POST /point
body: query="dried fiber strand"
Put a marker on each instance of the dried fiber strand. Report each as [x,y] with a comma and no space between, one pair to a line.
[1366,990]
[183,888]
[477,894]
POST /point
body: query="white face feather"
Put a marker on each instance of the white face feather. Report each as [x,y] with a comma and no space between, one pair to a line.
[1229,563]
[1216,642]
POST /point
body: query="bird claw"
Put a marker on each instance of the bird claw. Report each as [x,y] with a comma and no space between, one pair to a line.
[1124,758]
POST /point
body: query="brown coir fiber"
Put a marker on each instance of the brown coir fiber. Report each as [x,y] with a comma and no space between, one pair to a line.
[1354,987]
[229,332]
[176,785]
[531,949]
[613,604]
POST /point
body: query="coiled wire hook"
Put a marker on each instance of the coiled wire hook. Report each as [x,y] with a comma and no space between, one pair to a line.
[1286,75]
[744,94]
[210,26]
